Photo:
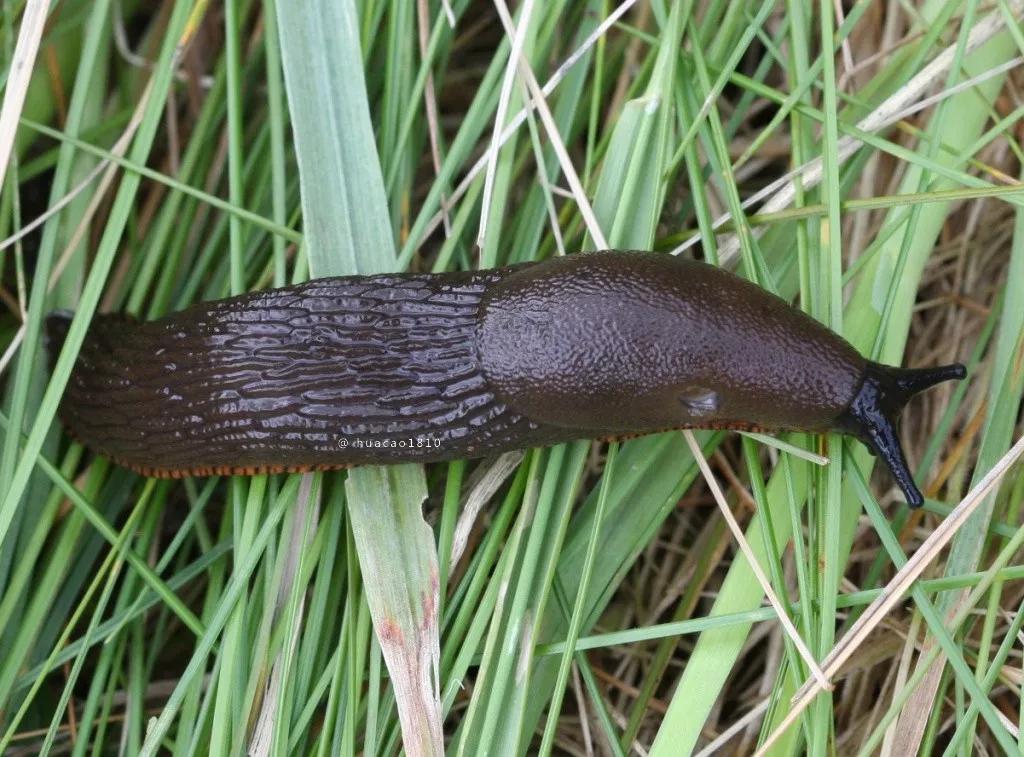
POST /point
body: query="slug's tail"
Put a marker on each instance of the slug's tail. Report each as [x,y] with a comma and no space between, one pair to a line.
[873,413]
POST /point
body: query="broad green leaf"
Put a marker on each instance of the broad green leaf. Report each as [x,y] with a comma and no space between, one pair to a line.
[347,228]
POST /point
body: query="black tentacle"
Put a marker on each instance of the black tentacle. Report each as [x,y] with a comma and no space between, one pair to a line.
[873,414]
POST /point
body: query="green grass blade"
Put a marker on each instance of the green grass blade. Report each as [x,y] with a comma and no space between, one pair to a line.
[347,230]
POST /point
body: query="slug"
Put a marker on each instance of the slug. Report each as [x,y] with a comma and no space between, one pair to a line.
[426,367]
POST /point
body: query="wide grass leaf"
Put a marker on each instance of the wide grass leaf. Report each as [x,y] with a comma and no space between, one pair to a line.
[347,230]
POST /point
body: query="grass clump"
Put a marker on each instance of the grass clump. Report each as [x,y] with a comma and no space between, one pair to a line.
[582,599]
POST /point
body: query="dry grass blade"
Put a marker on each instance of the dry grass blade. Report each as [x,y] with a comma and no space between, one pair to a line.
[520,118]
[430,101]
[792,449]
[896,588]
[578,193]
[56,208]
[963,86]
[306,509]
[518,36]
[479,495]
[551,129]
[32,24]
[734,729]
[782,192]
[762,579]
[109,171]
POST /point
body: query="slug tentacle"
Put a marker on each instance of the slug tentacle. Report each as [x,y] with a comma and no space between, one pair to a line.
[873,413]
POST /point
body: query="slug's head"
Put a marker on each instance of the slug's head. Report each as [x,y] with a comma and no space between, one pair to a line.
[873,413]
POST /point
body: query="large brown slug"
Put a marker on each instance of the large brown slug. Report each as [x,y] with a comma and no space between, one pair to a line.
[424,367]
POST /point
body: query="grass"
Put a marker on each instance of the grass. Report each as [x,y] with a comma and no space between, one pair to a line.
[581,599]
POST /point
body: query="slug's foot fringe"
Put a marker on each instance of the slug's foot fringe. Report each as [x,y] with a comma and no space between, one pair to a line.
[873,413]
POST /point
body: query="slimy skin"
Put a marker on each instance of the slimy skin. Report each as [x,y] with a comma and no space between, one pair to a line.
[426,367]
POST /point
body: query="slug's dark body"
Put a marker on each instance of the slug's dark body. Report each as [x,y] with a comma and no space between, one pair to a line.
[422,367]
